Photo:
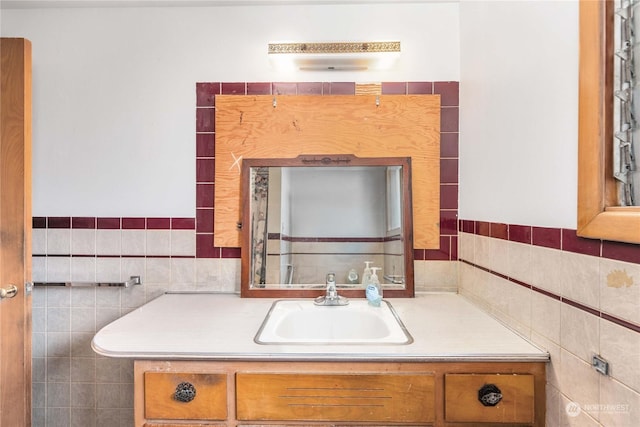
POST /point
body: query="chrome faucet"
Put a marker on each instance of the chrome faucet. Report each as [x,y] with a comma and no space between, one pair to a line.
[331,296]
[332,292]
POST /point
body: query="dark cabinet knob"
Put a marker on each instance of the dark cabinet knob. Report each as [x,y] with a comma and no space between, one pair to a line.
[185,392]
[489,395]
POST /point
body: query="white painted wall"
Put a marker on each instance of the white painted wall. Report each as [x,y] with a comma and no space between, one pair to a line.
[518,112]
[339,202]
[114,88]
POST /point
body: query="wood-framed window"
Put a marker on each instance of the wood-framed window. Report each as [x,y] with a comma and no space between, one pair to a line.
[599,215]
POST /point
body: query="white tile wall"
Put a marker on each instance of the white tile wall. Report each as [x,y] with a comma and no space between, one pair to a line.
[134,242]
[577,395]
[546,269]
[579,332]
[72,385]
[579,278]
[621,347]
[108,242]
[58,241]
[440,276]
[620,405]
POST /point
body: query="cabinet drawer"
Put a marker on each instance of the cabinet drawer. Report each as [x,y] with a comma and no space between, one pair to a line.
[462,402]
[209,401]
[336,397]
[183,425]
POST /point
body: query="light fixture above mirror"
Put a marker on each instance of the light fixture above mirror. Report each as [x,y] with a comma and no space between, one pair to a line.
[335,56]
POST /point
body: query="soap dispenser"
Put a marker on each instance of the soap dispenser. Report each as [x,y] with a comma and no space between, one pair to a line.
[352,277]
[373,291]
[366,274]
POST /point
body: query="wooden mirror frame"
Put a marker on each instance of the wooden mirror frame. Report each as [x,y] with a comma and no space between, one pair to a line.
[326,161]
[599,217]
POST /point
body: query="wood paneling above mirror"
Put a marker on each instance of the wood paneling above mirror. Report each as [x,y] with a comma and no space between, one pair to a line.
[285,126]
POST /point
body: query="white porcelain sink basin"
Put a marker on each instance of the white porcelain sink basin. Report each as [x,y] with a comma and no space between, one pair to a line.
[303,322]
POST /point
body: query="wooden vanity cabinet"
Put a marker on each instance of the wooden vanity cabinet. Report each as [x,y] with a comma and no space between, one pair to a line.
[265,393]
[185,395]
[516,405]
[349,397]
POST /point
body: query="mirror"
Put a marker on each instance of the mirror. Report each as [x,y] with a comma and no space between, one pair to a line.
[312,215]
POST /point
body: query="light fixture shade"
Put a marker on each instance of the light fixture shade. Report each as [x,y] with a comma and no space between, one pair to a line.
[346,56]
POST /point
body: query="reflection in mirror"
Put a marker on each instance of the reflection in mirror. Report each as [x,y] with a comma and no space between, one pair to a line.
[306,217]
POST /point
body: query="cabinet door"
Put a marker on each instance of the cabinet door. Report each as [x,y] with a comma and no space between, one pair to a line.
[393,398]
[185,396]
[514,395]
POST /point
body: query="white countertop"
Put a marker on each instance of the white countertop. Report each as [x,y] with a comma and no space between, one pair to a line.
[444,326]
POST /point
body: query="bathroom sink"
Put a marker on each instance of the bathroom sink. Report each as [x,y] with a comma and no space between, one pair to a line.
[303,322]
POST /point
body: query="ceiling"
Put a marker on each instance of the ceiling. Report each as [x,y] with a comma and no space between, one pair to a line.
[33,4]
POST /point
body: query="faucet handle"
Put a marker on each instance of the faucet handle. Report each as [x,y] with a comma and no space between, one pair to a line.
[332,292]
[331,296]
[331,278]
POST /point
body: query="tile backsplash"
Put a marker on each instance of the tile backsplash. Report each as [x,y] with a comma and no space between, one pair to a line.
[573,297]
[205,150]
[72,386]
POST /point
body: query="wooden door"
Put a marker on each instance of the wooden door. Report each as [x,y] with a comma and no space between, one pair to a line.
[15,232]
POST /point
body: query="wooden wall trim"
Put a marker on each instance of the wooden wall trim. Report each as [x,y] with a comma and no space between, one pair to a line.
[596,186]
[363,125]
